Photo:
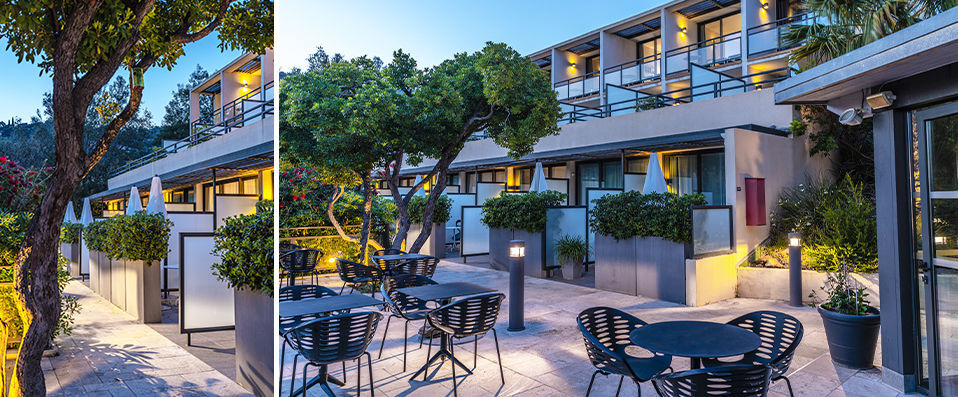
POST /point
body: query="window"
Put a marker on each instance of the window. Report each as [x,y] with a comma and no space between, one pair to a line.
[719,27]
[452,180]
[592,64]
[637,165]
[606,174]
[522,177]
[185,195]
[649,48]
[702,172]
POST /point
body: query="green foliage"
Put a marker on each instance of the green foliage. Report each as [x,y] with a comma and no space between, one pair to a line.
[303,200]
[20,188]
[176,120]
[10,312]
[850,147]
[264,205]
[526,211]
[70,233]
[633,214]
[571,248]
[440,213]
[139,237]
[334,247]
[244,244]
[13,226]
[95,235]
[841,295]
[69,306]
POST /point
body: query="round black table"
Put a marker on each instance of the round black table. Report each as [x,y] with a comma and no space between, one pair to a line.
[695,339]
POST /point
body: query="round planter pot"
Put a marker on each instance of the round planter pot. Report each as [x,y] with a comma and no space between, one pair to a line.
[852,339]
[572,270]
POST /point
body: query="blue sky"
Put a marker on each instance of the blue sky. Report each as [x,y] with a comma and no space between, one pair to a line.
[434,30]
[24,86]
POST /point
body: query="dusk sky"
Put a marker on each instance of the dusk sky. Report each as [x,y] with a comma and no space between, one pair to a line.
[25,86]
[434,30]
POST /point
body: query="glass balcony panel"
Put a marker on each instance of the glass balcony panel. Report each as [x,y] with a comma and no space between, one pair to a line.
[575,89]
[590,85]
[630,75]
[650,70]
[766,40]
[614,77]
[677,62]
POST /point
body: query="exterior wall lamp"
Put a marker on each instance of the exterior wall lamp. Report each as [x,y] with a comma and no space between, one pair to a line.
[765,6]
[684,31]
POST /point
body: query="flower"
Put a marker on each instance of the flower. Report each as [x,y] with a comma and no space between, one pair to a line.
[3,159]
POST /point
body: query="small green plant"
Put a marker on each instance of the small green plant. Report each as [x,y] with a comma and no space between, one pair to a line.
[139,237]
[70,233]
[95,235]
[69,306]
[841,295]
[525,211]
[417,205]
[571,248]
[633,214]
[13,225]
[244,244]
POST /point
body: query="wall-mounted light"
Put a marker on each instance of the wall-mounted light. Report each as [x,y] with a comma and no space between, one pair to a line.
[685,30]
[881,100]
[765,6]
[244,79]
[572,65]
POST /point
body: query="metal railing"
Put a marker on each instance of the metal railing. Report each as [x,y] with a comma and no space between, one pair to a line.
[709,52]
[635,71]
[768,38]
[253,106]
[634,101]
[573,113]
[578,86]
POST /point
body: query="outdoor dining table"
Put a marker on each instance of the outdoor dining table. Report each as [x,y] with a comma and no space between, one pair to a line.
[326,304]
[392,260]
[695,339]
[443,293]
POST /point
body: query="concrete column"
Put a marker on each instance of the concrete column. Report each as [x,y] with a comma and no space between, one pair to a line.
[194,105]
[267,67]
[573,186]
[672,36]
[752,15]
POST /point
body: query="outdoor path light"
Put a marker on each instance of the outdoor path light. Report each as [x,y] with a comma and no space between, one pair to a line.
[517,254]
[795,269]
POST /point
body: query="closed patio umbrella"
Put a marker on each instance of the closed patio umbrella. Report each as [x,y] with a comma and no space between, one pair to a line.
[654,179]
[134,205]
[539,183]
[71,215]
[156,205]
[86,214]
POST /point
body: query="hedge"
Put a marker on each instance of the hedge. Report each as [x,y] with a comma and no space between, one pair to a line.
[244,244]
[139,237]
[417,205]
[525,211]
[633,214]
[70,233]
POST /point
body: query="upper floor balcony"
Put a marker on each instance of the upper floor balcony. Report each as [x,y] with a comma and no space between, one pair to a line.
[723,49]
[769,38]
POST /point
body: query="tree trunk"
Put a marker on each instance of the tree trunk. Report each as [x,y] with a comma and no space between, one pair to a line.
[434,195]
[367,216]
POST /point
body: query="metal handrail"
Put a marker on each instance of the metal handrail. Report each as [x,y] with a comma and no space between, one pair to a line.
[250,110]
[576,79]
[782,22]
[710,44]
[637,63]
[704,43]
[776,25]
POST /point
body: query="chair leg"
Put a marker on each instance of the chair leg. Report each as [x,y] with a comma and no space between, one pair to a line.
[428,356]
[589,390]
[789,384]
[452,352]
[384,337]
[495,336]
[341,289]
[405,341]
[475,351]
[369,364]
[618,389]
[282,361]
[292,382]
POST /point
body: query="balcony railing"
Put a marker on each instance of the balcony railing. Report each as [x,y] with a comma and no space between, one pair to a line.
[710,52]
[253,106]
[768,38]
[636,71]
[573,113]
[578,86]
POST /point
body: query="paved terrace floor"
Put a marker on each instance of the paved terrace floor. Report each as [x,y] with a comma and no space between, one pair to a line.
[549,358]
[110,354]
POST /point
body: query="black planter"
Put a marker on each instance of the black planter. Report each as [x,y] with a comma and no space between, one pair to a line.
[852,339]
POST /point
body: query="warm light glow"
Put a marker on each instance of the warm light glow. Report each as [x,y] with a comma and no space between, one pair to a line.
[765,5]
[517,252]
[684,31]
[940,240]
[244,89]
[794,242]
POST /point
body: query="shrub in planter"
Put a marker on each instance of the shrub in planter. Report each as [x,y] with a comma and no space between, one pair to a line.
[633,214]
[417,205]
[95,235]
[139,237]
[851,325]
[244,244]
[70,233]
[571,251]
[520,211]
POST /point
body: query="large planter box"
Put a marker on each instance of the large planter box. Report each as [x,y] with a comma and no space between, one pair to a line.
[651,267]
[118,283]
[253,314]
[435,244]
[72,253]
[535,250]
[101,274]
[142,291]
[772,283]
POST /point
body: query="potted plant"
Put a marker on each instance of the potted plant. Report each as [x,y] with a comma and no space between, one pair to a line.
[94,235]
[244,244]
[436,244]
[136,244]
[519,217]
[852,326]
[571,251]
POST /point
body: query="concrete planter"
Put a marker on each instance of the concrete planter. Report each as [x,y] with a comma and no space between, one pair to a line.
[435,244]
[499,250]
[650,267]
[253,314]
[72,253]
[572,269]
[101,274]
[117,282]
[142,291]
[772,283]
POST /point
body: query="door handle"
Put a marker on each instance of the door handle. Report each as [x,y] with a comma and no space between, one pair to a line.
[922,265]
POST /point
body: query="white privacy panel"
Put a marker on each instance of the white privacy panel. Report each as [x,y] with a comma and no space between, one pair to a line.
[475,234]
[633,182]
[459,200]
[206,303]
[563,221]
[559,185]
[182,223]
[488,190]
[181,207]
[592,194]
[84,258]
[711,230]
[227,206]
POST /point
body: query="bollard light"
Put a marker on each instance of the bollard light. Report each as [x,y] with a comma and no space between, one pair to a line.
[517,249]
[517,269]
[794,240]
[795,269]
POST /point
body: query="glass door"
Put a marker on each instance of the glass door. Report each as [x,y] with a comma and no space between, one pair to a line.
[938,267]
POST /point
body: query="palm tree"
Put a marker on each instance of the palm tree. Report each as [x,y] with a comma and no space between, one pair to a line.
[844,25]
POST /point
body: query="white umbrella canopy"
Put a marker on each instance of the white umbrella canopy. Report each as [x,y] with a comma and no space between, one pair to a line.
[86,216]
[539,183]
[654,179]
[134,204]
[71,215]
[156,204]
[421,191]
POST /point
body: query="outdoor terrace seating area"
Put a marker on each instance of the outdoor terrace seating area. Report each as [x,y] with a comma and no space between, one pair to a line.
[553,354]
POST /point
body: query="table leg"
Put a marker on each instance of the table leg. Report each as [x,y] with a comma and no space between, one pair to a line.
[441,355]
[696,363]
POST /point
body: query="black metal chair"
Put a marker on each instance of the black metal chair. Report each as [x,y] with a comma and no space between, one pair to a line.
[403,306]
[358,276]
[334,339]
[384,264]
[780,334]
[471,316]
[606,334]
[299,262]
[732,380]
[294,293]
[423,267]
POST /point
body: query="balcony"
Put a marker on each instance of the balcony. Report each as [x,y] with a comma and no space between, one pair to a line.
[636,71]
[579,86]
[706,53]
[768,38]
[253,106]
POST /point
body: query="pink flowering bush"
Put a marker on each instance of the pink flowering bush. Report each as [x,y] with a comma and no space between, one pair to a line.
[20,188]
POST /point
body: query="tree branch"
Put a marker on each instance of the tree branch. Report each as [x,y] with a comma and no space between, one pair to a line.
[112,129]
[182,37]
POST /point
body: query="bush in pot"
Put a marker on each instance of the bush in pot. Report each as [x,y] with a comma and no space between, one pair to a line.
[70,233]
[142,236]
[633,214]
[852,326]
[571,251]
[525,211]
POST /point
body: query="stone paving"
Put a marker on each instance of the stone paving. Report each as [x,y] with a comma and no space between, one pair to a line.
[109,354]
[549,358]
